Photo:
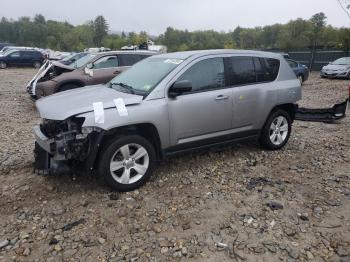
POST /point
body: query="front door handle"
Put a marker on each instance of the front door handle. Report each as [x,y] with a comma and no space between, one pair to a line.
[221,97]
[117,72]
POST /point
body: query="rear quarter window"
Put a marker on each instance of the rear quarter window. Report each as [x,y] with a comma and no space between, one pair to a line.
[273,67]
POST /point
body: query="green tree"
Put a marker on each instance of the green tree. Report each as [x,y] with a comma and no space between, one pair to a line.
[101,29]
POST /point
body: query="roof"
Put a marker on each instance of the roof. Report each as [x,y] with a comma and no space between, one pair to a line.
[186,54]
[125,52]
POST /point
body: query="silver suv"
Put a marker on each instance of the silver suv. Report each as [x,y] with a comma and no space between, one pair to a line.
[163,105]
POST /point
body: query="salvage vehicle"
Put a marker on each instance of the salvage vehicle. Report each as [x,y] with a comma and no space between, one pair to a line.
[28,57]
[340,68]
[168,104]
[300,70]
[100,69]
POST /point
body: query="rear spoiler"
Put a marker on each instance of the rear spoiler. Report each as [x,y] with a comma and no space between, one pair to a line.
[328,115]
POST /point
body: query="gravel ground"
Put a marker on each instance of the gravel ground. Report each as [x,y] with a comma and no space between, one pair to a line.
[230,204]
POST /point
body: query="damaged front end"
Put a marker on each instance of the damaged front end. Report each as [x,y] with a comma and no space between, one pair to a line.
[63,145]
[47,72]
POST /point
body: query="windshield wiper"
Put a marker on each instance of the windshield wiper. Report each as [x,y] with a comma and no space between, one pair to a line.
[129,88]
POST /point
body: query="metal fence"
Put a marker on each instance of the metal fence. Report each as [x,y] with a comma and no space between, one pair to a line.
[316,60]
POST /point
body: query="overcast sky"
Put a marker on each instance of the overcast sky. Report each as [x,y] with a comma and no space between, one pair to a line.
[154,16]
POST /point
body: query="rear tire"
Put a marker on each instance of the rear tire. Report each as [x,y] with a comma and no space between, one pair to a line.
[127,162]
[3,65]
[67,87]
[276,131]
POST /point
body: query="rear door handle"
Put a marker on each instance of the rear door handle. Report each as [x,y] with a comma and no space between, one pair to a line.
[221,97]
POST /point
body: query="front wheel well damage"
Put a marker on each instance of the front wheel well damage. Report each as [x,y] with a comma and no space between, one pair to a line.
[146,130]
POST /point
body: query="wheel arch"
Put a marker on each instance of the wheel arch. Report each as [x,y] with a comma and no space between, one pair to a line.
[146,130]
[76,82]
[290,108]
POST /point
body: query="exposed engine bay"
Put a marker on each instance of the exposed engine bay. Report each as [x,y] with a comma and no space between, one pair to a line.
[65,143]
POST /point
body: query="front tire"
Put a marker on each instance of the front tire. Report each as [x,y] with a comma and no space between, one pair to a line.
[127,162]
[276,131]
[3,65]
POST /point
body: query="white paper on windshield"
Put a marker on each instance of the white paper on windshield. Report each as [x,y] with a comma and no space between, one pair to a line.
[173,61]
[120,105]
[99,113]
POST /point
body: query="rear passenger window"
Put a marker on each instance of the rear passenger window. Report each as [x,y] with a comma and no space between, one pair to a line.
[206,75]
[241,70]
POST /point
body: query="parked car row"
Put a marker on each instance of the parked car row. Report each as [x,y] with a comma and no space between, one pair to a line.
[162,105]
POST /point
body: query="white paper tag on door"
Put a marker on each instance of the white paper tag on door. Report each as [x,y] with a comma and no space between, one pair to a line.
[120,105]
[99,113]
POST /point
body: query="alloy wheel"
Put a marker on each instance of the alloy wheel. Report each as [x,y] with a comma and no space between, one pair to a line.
[278,130]
[129,163]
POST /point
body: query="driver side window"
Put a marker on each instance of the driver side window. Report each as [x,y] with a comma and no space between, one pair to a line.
[106,62]
[206,75]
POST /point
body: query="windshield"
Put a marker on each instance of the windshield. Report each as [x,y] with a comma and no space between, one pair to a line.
[69,57]
[145,75]
[82,61]
[342,61]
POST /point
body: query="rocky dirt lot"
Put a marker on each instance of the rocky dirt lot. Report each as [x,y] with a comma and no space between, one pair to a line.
[236,203]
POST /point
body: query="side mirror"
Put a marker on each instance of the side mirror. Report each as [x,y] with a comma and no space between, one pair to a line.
[89,66]
[88,71]
[180,87]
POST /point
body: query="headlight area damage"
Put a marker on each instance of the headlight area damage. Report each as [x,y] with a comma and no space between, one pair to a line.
[47,72]
[62,145]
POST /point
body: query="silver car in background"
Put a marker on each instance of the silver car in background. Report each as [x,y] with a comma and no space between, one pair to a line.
[340,68]
[167,104]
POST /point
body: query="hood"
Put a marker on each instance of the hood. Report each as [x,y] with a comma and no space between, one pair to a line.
[336,67]
[58,64]
[73,102]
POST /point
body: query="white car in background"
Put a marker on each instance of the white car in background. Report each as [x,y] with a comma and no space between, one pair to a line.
[340,68]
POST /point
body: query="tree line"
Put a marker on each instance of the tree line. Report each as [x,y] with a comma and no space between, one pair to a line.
[313,33]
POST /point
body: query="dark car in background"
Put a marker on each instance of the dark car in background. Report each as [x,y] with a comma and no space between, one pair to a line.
[100,69]
[32,58]
[340,68]
[300,70]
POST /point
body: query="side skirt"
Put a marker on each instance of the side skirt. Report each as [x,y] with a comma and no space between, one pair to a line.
[211,142]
